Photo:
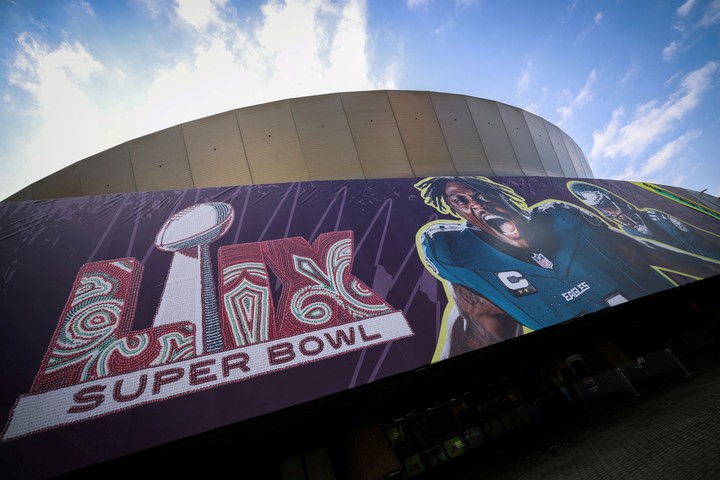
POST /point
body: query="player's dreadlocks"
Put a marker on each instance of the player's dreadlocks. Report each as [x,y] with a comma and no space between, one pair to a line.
[432,189]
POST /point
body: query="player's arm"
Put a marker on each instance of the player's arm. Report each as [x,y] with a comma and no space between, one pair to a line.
[484,322]
[685,264]
[639,255]
[707,243]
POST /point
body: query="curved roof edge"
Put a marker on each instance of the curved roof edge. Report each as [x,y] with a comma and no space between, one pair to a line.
[347,135]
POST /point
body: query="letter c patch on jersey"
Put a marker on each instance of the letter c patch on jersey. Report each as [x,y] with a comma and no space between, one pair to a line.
[516,283]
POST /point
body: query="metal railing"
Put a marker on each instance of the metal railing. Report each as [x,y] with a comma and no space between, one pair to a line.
[629,375]
[694,340]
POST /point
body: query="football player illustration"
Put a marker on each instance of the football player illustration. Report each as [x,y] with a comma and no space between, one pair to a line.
[646,224]
[507,265]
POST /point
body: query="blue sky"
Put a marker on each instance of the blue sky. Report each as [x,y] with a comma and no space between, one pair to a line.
[635,83]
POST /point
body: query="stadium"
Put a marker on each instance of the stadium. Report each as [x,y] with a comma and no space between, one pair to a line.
[353,285]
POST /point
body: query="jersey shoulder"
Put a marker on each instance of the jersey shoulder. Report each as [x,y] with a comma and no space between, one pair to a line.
[436,245]
[438,230]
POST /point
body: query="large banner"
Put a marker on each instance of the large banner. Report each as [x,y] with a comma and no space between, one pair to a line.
[136,319]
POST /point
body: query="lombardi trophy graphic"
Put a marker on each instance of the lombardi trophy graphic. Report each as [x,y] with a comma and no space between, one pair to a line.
[189,292]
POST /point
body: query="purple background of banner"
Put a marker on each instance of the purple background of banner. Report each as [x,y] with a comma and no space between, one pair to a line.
[44,243]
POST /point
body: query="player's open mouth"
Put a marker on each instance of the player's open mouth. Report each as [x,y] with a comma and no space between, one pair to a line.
[502,225]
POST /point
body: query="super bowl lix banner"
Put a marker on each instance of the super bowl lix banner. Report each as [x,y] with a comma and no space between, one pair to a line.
[143,318]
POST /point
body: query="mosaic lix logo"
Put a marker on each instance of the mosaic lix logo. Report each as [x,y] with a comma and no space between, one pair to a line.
[203,335]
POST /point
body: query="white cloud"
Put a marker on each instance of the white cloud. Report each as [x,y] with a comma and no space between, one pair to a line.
[630,74]
[411,4]
[604,139]
[153,7]
[685,8]
[87,8]
[628,173]
[597,19]
[711,16]
[199,13]
[678,180]
[523,82]
[651,120]
[668,152]
[689,25]
[36,69]
[65,122]
[447,25]
[664,166]
[295,48]
[670,51]
[536,105]
[580,100]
